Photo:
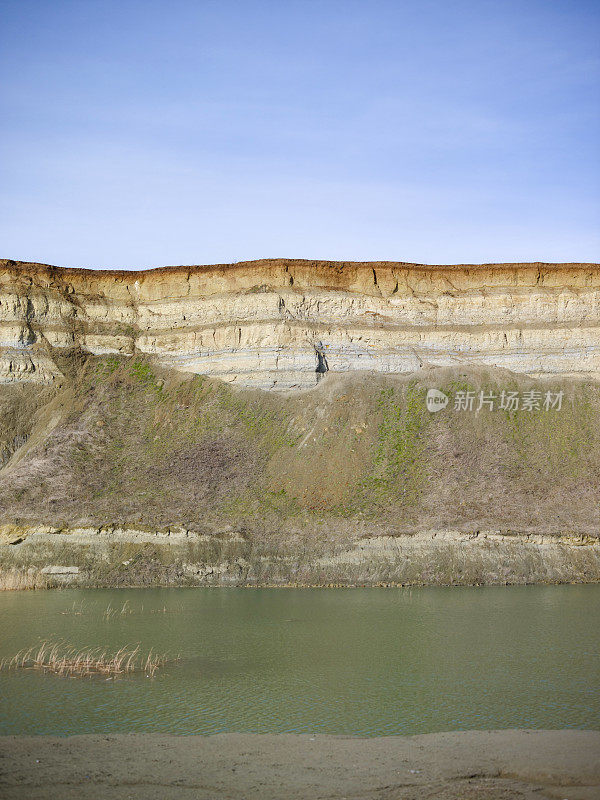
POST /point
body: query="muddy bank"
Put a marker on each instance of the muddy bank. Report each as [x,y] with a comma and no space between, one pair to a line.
[468,765]
[44,557]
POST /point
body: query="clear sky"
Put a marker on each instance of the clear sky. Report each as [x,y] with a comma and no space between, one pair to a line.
[140,133]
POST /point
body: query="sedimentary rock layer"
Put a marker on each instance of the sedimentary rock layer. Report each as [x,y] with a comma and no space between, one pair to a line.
[180,557]
[258,323]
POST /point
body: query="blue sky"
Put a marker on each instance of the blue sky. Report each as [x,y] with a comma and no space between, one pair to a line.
[138,134]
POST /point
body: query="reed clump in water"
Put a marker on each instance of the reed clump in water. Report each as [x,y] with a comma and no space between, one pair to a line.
[110,613]
[61,659]
[124,611]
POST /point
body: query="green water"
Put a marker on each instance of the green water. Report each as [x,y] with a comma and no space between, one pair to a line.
[346,661]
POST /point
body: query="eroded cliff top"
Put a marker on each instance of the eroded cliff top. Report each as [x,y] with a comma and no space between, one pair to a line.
[318,267]
[370,278]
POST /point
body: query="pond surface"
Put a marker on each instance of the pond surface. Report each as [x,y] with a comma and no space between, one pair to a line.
[347,661]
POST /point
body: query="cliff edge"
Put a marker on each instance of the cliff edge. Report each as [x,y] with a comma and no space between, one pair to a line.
[262,323]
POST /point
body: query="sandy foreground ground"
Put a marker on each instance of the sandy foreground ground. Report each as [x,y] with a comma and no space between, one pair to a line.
[453,766]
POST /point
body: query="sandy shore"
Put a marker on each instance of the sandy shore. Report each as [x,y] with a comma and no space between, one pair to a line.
[464,765]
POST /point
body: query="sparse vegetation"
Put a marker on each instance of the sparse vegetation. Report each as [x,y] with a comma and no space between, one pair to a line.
[258,477]
[125,611]
[109,613]
[62,659]
[399,465]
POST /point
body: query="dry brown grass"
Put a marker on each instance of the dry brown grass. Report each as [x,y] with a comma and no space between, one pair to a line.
[62,659]
[20,579]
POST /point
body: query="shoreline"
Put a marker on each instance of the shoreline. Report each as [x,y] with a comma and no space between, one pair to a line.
[251,586]
[40,557]
[461,765]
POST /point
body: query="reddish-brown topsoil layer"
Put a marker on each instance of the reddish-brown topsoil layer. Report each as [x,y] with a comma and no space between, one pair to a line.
[338,267]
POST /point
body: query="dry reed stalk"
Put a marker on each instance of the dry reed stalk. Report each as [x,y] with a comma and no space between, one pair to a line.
[61,659]
[18,579]
[124,611]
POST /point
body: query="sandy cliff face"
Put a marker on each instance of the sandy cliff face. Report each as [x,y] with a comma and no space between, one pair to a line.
[257,323]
